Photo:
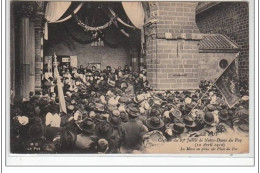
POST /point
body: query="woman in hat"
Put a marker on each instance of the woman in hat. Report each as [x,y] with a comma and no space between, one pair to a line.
[130,89]
[113,102]
[123,86]
[111,81]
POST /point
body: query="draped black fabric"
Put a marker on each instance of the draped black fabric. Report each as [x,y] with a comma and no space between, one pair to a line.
[113,37]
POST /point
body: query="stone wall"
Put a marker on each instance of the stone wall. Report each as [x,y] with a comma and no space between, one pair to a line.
[169,62]
[231,19]
[176,17]
[104,55]
[180,64]
[172,48]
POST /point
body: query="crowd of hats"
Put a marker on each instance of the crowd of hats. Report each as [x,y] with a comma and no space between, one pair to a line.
[98,102]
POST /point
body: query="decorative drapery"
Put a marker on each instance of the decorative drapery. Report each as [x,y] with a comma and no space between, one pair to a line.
[54,11]
[135,12]
[119,20]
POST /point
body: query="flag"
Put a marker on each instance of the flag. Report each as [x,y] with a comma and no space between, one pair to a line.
[227,84]
[60,89]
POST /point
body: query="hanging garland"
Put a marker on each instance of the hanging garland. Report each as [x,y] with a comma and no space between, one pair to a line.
[91,28]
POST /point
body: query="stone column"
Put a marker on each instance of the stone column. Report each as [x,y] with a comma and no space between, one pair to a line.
[150,31]
[32,56]
[12,48]
[24,11]
[151,54]
[38,50]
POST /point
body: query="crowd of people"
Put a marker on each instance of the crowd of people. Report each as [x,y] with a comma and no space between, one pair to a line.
[116,111]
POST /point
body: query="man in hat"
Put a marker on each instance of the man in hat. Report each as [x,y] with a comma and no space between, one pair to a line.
[68,119]
[154,123]
[126,70]
[85,139]
[67,140]
[130,135]
[138,83]
[174,130]
[105,146]
[36,136]
[105,130]
[189,122]
[108,70]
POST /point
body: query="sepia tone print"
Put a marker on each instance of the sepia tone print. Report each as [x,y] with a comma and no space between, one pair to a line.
[129,77]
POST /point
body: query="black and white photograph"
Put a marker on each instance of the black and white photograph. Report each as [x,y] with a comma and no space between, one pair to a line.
[140,77]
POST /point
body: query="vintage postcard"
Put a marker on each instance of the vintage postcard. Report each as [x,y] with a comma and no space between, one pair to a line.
[112,77]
